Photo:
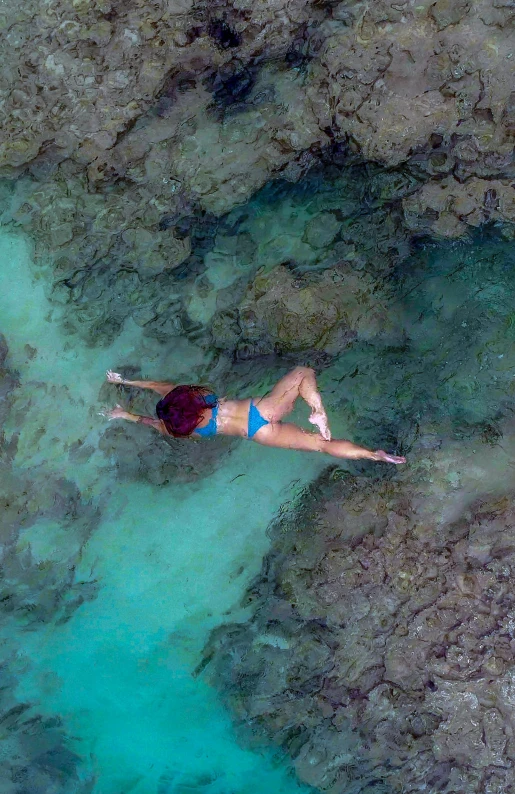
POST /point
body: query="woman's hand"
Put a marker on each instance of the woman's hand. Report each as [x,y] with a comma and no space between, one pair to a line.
[383,456]
[114,377]
[115,413]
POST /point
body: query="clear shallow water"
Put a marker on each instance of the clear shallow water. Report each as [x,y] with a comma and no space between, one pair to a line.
[169,564]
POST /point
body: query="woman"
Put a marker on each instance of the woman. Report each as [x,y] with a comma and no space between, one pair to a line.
[194,411]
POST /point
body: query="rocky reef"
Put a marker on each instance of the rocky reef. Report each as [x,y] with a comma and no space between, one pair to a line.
[163,107]
[343,218]
[380,650]
[131,129]
[136,140]
[262,182]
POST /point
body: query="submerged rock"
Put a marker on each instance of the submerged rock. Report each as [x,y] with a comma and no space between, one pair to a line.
[36,757]
[381,649]
[450,208]
[286,314]
[141,454]
[158,110]
[8,381]
[4,350]
[45,525]
[173,273]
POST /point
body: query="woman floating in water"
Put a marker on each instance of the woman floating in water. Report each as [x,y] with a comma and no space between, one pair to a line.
[195,411]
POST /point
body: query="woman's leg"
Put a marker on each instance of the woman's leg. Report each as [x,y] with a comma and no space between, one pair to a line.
[300,382]
[289,436]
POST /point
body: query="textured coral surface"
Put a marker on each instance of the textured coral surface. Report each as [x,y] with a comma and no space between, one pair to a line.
[131,112]
[382,644]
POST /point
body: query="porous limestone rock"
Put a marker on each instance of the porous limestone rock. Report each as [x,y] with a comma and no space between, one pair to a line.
[381,647]
[449,208]
[204,103]
[95,68]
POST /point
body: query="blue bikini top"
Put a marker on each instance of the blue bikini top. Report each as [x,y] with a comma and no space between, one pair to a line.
[210,428]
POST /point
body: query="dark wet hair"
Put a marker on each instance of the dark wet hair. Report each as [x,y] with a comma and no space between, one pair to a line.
[182,408]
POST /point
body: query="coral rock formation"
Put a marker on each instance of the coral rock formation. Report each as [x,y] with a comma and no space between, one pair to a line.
[145,111]
[287,314]
[381,649]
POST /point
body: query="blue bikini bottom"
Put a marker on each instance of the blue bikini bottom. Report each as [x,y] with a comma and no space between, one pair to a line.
[256,421]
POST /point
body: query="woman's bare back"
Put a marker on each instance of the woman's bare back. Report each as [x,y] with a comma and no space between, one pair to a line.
[232,418]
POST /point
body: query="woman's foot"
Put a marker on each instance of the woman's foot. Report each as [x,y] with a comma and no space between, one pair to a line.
[320,420]
[383,456]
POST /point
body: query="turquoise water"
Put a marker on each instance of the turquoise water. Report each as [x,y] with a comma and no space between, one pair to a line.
[169,564]
[148,572]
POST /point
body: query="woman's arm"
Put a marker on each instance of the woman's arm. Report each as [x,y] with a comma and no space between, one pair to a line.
[118,413]
[158,386]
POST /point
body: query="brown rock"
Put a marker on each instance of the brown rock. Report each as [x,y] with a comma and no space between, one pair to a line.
[449,12]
